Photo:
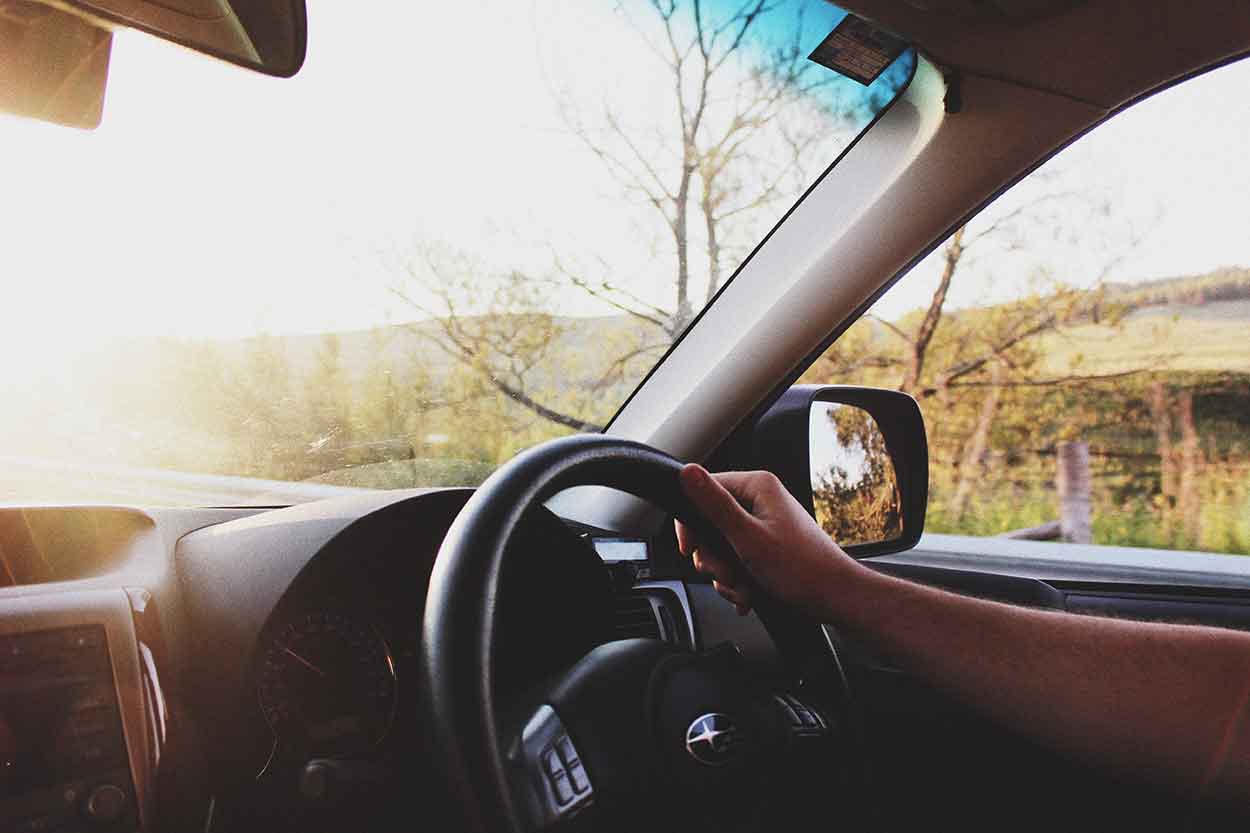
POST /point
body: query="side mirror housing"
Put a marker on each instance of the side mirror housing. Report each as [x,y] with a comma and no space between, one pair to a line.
[857,459]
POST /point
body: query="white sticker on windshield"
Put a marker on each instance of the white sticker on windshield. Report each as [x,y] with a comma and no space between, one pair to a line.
[858,50]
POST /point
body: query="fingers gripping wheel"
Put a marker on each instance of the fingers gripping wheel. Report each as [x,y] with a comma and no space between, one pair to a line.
[586,743]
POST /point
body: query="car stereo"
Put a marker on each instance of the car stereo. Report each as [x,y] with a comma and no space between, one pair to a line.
[63,755]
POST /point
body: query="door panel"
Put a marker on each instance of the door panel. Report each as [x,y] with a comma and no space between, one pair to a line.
[939,763]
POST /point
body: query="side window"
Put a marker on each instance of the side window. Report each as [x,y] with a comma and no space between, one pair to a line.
[1081,349]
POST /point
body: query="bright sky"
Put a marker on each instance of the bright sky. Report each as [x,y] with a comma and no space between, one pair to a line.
[213,201]
[825,450]
[216,202]
[1173,170]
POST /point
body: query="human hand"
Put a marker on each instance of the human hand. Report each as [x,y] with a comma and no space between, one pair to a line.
[777,546]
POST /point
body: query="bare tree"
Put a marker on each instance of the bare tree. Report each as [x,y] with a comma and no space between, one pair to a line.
[1021,321]
[741,130]
[506,345]
[740,116]
[970,361]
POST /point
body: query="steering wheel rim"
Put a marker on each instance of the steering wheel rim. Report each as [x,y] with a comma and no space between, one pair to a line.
[458,638]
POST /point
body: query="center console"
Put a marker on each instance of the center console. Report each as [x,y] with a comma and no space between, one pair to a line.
[71,740]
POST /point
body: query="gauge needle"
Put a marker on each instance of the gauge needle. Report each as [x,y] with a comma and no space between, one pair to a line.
[300,659]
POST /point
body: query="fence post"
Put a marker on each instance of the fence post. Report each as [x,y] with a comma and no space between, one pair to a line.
[1073,483]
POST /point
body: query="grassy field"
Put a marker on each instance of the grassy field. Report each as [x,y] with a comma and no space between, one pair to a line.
[1191,335]
[1021,498]
[1211,337]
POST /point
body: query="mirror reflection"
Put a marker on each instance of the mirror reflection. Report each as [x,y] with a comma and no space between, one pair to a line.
[854,487]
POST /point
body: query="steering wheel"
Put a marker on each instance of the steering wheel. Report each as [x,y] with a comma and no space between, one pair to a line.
[637,733]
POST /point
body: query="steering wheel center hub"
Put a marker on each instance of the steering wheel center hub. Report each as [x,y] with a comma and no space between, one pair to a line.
[714,739]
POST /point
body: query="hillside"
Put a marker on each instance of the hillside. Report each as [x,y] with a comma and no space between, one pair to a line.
[1214,336]
[407,348]
[1227,284]
[1195,323]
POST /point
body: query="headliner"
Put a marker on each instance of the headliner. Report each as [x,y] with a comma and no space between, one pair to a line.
[1102,52]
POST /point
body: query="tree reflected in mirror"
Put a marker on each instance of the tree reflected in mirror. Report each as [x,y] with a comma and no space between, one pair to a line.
[854,487]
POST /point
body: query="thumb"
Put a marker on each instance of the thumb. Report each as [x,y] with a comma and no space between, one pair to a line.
[714,501]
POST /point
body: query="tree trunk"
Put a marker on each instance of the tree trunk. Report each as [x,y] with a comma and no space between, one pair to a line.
[933,315]
[970,468]
[713,242]
[1191,461]
[1073,483]
[1162,417]
[683,313]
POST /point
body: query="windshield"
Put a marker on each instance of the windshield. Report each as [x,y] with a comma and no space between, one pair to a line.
[452,235]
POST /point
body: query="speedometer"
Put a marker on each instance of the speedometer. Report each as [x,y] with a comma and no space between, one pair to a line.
[327,684]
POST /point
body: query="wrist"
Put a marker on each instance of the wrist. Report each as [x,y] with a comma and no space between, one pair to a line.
[843,583]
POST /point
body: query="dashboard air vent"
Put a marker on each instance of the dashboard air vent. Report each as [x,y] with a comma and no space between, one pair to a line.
[635,618]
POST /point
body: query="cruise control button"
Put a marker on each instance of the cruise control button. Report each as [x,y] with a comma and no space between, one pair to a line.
[577,777]
[562,789]
[551,763]
[567,753]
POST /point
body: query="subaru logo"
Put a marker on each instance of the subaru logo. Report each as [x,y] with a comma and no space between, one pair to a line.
[713,739]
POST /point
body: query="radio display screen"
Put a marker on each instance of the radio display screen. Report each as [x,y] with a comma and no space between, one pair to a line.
[58,709]
[621,549]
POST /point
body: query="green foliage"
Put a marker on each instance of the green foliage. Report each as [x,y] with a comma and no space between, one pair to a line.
[1005,504]
[1088,381]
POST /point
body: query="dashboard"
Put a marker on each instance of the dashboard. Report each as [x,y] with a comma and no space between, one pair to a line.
[238,669]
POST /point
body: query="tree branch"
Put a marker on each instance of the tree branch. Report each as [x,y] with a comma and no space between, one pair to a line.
[1059,380]
[933,314]
[605,292]
[891,327]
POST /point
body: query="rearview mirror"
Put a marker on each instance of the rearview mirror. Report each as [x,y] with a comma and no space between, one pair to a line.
[855,458]
[54,55]
[268,36]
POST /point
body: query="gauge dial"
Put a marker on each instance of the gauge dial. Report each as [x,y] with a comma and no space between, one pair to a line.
[326,684]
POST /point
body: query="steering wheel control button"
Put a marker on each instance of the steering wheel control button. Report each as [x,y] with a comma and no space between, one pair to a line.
[713,739]
[564,770]
[577,777]
[568,754]
[106,804]
[561,788]
[803,719]
[551,763]
[558,785]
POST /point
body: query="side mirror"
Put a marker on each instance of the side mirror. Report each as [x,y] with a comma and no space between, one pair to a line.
[856,458]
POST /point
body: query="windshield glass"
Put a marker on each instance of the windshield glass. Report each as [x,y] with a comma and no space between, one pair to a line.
[452,235]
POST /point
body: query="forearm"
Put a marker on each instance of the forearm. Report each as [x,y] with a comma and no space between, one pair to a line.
[1161,701]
